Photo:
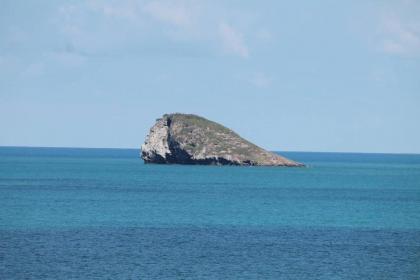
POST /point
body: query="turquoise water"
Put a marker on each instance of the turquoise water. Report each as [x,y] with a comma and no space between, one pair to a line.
[102,213]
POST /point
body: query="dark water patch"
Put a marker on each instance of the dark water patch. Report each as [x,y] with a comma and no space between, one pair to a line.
[209,253]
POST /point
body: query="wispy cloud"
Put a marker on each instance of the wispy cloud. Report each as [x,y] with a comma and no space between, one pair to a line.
[397,27]
[176,13]
[128,10]
[232,40]
[133,20]
[400,36]
[69,22]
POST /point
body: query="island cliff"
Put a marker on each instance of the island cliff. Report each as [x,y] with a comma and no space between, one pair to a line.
[190,139]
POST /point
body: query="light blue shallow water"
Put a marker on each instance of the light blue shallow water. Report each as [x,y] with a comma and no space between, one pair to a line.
[102,213]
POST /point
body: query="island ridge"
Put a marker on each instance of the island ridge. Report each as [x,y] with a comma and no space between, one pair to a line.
[191,139]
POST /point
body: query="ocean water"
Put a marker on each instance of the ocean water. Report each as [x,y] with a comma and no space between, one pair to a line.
[103,214]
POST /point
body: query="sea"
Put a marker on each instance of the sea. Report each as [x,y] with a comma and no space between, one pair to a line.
[69,213]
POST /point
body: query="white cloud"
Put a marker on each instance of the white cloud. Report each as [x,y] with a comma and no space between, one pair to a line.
[94,27]
[169,11]
[401,37]
[105,26]
[70,22]
[398,25]
[121,9]
[178,13]
[233,40]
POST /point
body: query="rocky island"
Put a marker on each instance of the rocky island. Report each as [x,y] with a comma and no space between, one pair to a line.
[191,139]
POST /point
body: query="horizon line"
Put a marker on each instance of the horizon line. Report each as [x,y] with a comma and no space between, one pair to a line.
[287,151]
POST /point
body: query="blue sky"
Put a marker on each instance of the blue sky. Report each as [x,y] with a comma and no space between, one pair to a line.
[288,75]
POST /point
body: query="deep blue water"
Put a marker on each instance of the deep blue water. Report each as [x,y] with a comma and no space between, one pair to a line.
[103,214]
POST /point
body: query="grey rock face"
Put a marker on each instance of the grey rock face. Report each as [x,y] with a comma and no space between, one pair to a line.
[190,139]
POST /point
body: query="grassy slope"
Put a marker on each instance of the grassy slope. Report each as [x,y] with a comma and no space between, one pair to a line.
[197,133]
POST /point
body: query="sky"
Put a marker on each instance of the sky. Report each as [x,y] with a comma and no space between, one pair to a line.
[331,76]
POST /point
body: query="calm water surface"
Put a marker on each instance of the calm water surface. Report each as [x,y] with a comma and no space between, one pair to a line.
[103,214]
